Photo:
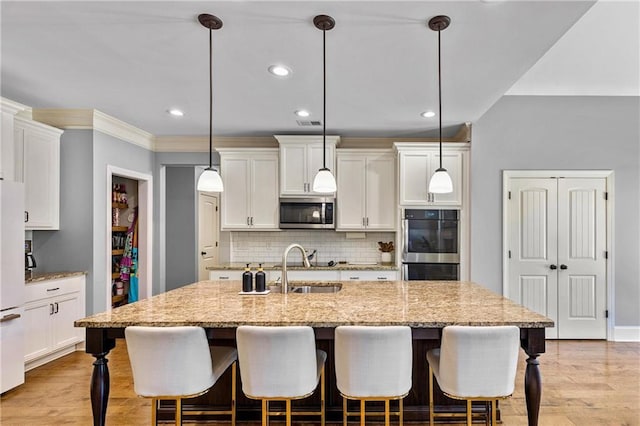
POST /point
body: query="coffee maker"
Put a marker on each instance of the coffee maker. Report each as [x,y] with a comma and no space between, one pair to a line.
[29,260]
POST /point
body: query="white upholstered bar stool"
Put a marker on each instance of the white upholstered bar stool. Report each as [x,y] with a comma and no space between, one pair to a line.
[373,364]
[281,364]
[175,363]
[475,364]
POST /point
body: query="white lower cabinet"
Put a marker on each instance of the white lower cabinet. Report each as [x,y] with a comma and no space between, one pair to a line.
[368,275]
[51,308]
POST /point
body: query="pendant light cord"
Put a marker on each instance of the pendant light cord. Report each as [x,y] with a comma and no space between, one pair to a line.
[210,98]
[324,98]
[440,97]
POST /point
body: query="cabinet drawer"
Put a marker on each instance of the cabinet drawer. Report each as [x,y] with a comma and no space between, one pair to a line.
[51,288]
[368,275]
[225,275]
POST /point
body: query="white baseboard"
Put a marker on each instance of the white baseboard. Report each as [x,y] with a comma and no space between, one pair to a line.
[626,334]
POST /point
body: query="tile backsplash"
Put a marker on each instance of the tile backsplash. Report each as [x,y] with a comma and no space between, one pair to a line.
[267,247]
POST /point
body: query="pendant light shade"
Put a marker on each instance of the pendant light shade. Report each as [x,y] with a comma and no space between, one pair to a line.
[210,180]
[440,182]
[324,181]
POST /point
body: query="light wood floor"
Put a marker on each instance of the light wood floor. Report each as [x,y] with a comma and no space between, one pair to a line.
[584,383]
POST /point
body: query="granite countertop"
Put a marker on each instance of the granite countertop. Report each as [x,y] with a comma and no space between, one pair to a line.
[418,304]
[294,267]
[45,276]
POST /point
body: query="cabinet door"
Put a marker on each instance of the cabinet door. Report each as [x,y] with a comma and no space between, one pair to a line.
[351,190]
[381,193]
[452,161]
[315,163]
[235,198]
[264,193]
[41,174]
[415,172]
[37,329]
[66,311]
[293,169]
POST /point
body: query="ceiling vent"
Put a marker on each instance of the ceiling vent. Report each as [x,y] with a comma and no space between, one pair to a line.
[309,123]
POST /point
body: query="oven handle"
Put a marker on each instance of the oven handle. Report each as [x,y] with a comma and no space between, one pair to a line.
[405,238]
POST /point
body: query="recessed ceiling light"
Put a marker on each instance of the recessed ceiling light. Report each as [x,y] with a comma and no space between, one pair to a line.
[302,113]
[279,70]
[428,114]
[176,112]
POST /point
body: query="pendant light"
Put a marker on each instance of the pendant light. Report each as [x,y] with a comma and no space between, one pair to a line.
[210,180]
[440,182]
[324,182]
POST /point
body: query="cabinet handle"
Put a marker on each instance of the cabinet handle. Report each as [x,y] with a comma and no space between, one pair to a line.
[247,220]
[563,266]
[223,278]
[367,221]
[50,308]
[26,216]
[9,317]
[53,289]
[56,308]
[251,220]
[382,278]
[354,278]
[553,267]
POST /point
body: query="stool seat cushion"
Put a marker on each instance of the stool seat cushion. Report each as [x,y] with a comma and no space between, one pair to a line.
[373,361]
[476,362]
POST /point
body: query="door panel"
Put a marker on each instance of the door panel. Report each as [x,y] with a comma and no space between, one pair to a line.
[533,229]
[581,248]
[207,233]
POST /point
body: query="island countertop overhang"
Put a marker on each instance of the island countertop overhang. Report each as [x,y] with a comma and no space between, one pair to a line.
[418,304]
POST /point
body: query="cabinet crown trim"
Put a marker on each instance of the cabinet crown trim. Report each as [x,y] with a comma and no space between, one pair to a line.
[284,139]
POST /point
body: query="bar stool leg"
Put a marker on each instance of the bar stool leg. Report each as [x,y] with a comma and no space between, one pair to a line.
[469,407]
[344,411]
[386,412]
[265,411]
[288,411]
[233,392]
[431,415]
[494,420]
[154,411]
[178,411]
[401,411]
[362,412]
[322,398]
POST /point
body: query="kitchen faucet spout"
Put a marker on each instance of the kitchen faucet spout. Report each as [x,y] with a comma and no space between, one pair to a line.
[285,283]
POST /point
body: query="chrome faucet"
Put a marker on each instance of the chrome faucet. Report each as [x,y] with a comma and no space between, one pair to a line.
[285,283]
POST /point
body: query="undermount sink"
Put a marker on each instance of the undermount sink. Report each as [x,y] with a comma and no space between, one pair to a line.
[310,287]
[327,288]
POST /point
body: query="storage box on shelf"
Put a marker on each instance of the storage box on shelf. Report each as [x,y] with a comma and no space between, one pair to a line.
[367,190]
[301,157]
[37,164]
[416,164]
[50,309]
[250,197]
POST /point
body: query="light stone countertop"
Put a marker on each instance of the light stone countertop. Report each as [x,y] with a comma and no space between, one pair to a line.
[297,267]
[46,276]
[418,304]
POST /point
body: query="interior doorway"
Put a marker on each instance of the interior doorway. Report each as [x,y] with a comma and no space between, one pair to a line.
[556,248]
[129,236]
[208,233]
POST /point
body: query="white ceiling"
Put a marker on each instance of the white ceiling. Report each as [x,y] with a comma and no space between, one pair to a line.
[136,59]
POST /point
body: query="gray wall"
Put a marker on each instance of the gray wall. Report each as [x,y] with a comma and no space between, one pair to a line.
[181,222]
[108,150]
[71,248]
[567,133]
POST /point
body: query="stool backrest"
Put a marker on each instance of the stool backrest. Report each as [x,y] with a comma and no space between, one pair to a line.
[373,361]
[169,361]
[277,361]
[479,361]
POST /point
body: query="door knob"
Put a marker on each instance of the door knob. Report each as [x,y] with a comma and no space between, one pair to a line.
[563,266]
[203,253]
[553,267]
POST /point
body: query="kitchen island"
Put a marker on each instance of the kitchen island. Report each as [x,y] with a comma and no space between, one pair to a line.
[425,306]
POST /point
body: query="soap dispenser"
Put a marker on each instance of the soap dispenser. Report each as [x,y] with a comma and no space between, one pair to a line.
[261,279]
[247,280]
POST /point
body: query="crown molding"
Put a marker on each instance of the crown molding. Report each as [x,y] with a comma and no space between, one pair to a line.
[91,119]
[14,108]
[201,143]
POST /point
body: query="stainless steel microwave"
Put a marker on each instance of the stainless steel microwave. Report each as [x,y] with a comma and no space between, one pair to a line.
[307,213]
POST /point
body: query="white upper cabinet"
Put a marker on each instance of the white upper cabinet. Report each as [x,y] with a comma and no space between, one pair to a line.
[300,160]
[37,154]
[250,196]
[418,162]
[366,190]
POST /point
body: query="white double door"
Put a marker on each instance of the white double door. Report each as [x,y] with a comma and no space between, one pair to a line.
[556,236]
